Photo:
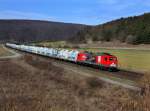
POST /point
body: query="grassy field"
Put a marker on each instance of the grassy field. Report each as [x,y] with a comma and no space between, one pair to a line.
[130,59]
[4,52]
[51,44]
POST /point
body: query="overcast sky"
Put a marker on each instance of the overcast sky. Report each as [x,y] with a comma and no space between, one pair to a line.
[91,12]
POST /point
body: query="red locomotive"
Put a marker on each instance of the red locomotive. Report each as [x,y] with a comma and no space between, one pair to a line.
[102,60]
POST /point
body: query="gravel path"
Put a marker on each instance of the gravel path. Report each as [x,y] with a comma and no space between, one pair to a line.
[14,54]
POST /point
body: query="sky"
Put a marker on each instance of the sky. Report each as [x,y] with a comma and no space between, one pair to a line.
[90,12]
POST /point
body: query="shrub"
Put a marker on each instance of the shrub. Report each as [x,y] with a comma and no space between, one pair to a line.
[142,101]
[131,39]
[94,82]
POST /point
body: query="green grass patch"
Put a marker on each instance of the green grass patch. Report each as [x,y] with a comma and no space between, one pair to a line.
[51,44]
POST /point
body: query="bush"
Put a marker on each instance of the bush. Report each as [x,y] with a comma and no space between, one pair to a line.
[142,101]
[76,47]
[131,39]
[94,82]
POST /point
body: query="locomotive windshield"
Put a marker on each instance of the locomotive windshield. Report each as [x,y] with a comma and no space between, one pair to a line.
[112,59]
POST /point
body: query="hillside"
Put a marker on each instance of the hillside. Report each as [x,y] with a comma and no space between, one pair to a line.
[132,30]
[34,30]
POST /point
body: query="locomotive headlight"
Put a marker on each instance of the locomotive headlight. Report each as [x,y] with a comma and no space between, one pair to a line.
[113,65]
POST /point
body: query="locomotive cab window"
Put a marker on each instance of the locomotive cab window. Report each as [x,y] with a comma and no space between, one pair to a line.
[111,59]
[105,58]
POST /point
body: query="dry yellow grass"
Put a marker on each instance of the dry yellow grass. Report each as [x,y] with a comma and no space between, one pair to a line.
[139,102]
[34,84]
[4,52]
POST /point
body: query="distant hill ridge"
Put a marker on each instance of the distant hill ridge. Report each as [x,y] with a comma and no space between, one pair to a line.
[36,30]
[132,30]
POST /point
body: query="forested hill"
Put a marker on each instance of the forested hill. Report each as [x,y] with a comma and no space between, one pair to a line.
[34,30]
[133,30]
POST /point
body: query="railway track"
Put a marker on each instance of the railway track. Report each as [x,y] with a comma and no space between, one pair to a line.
[120,73]
[102,75]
